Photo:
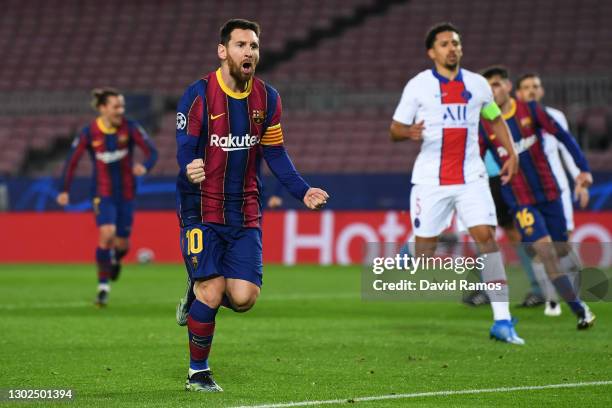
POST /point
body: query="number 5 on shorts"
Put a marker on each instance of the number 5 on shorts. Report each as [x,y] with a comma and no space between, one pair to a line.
[195,241]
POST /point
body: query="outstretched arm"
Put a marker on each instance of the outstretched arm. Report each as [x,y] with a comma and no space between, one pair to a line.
[148,148]
[584,179]
[79,145]
[510,166]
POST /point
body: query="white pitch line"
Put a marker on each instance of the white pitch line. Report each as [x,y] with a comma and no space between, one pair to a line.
[429,394]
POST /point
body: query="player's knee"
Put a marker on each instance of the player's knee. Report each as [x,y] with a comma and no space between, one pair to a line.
[107,235]
[485,239]
[210,292]
[242,300]
[545,251]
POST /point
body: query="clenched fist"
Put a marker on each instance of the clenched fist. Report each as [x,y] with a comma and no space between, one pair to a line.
[315,198]
[195,171]
[63,199]
[139,169]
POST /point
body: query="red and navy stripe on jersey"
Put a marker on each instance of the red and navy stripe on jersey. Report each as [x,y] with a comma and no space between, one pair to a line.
[112,153]
[231,132]
[535,182]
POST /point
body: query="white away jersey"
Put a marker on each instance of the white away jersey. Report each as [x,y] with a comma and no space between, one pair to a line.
[451,110]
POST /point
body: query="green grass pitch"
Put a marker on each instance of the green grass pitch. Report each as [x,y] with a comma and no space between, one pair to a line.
[309,337]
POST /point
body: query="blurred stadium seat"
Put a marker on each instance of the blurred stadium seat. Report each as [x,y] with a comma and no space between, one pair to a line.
[159,47]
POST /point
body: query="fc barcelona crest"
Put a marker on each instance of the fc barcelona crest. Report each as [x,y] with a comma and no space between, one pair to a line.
[123,137]
[258,116]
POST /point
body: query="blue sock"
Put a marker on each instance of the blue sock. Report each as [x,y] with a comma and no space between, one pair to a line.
[566,291]
[201,328]
[103,259]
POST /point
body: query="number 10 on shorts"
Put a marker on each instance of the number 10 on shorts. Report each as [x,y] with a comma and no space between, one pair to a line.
[195,241]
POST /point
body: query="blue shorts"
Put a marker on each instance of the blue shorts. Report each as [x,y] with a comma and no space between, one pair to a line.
[211,250]
[118,213]
[541,220]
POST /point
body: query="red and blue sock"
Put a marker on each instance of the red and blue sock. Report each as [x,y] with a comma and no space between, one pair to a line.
[201,327]
[566,291]
[104,261]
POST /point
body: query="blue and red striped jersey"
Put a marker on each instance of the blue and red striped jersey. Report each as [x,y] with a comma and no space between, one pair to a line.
[535,182]
[231,132]
[112,153]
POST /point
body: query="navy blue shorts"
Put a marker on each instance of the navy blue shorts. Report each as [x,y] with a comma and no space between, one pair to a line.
[211,250]
[118,213]
[540,220]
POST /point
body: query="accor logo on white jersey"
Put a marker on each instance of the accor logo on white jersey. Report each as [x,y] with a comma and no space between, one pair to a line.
[230,142]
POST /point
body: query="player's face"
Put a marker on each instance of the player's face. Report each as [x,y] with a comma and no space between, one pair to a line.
[241,54]
[501,89]
[113,110]
[530,90]
[446,50]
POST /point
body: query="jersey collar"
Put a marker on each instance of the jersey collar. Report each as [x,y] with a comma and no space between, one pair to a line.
[106,130]
[512,111]
[444,79]
[229,92]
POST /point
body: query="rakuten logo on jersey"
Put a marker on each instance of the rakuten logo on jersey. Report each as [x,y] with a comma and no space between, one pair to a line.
[111,157]
[230,142]
[522,146]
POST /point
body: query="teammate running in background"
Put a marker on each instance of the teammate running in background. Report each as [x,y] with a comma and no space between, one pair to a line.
[529,88]
[110,140]
[441,107]
[534,195]
[227,122]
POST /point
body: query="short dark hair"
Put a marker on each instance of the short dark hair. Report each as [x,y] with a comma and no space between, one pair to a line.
[430,38]
[495,70]
[230,25]
[100,96]
[525,76]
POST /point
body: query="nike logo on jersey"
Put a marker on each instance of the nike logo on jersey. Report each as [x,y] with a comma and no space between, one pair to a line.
[213,117]
[96,143]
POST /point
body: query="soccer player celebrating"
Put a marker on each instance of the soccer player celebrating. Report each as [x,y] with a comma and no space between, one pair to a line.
[226,123]
[110,140]
[441,107]
[529,88]
[534,195]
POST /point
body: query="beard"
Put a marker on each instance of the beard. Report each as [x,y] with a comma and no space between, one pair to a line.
[235,71]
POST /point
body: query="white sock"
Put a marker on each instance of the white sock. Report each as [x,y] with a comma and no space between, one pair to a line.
[494,271]
[103,286]
[548,289]
[192,371]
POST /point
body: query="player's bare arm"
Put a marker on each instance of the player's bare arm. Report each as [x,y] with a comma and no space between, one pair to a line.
[510,167]
[400,132]
[195,171]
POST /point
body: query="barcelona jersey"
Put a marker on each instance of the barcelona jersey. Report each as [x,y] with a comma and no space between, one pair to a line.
[231,132]
[112,153]
[535,182]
